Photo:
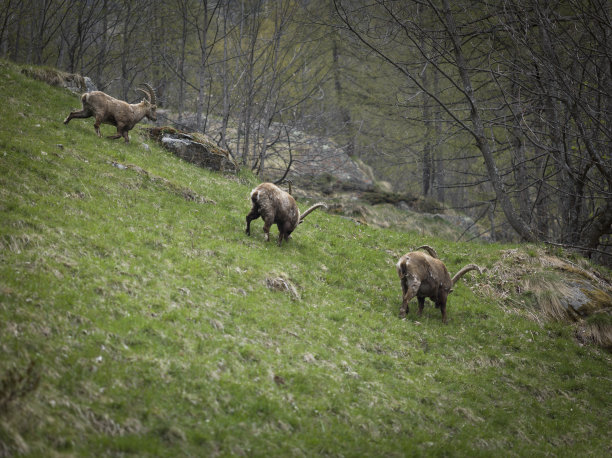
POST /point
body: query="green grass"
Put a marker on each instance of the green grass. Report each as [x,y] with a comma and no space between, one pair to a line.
[152,331]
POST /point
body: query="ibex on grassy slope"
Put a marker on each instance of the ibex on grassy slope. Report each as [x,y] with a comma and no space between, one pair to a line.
[109,110]
[423,275]
[276,206]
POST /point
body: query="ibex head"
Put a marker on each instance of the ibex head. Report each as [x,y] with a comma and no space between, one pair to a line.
[149,101]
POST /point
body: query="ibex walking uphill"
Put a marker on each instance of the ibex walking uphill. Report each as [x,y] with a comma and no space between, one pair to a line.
[276,206]
[109,110]
[424,275]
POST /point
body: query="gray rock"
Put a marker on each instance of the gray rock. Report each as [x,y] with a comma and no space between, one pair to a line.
[79,84]
[198,153]
[576,299]
[584,299]
[89,84]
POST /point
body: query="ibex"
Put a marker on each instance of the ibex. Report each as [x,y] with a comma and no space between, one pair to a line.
[109,110]
[276,206]
[423,275]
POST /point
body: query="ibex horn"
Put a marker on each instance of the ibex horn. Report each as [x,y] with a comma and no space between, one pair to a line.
[145,93]
[151,91]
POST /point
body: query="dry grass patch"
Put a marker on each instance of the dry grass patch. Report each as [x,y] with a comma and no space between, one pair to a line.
[56,77]
[545,287]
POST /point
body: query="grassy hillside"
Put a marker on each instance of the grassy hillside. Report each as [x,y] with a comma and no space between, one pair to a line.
[137,317]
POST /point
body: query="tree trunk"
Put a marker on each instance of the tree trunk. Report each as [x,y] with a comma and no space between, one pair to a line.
[225,89]
[249,91]
[125,54]
[103,45]
[202,69]
[427,157]
[273,89]
[601,225]
[181,62]
[478,133]
[439,171]
[345,115]
[17,47]
[6,13]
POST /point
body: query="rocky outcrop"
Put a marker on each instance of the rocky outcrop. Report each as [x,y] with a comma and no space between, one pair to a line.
[327,161]
[79,86]
[315,162]
[198,153]
[194,148]
[71,81]
[318,162]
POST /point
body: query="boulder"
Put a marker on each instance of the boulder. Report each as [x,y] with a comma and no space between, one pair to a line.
[79,84]
[196,150]
[322,164]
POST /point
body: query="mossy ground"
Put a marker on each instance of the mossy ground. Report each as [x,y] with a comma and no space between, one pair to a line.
[152,330]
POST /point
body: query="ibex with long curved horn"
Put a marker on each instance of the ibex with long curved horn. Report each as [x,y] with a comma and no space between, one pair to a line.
[109,110]
[424,275]
[276,206]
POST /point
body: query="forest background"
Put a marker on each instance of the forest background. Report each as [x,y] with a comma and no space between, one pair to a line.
[501,110]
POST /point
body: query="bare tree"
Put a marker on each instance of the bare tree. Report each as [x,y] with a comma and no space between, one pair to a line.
[534,83]
[80,31]
[6,15]
[47,17]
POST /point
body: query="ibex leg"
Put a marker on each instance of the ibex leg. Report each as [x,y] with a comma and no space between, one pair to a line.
[77,114]
[253,214]
[404,308]
[421,305]
[266,230]
[441,302]
[410,290]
